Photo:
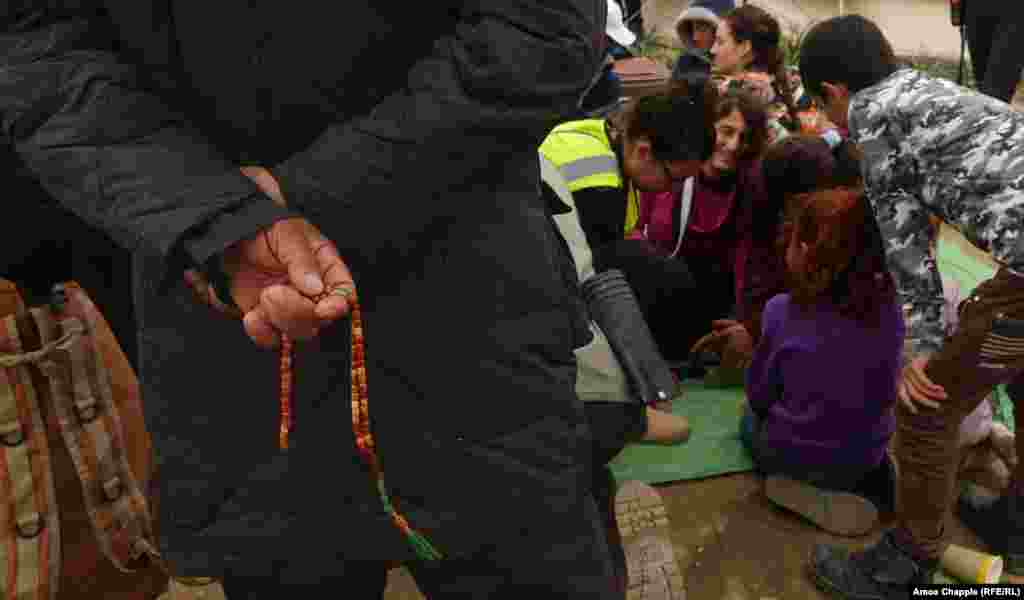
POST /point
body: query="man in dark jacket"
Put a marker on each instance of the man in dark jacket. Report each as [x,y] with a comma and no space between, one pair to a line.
[696,27]
[409,141]
[995,36]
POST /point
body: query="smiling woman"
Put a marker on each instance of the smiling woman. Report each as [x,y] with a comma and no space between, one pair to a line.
[740,133]
[702,226]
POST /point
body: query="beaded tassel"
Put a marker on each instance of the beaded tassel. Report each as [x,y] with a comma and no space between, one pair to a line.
[360,420]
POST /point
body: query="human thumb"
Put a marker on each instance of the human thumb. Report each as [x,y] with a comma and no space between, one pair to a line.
[296,253]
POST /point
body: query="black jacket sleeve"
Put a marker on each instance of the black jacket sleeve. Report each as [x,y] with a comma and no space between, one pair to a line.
[478,104]
[602,214]
[110,151]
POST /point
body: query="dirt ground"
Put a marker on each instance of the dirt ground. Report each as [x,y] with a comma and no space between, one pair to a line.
[730,542]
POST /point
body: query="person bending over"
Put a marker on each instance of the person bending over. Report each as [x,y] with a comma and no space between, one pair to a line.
[930,147]
[701,227]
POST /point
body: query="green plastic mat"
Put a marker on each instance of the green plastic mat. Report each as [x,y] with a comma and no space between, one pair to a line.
[714,447]
[969,266]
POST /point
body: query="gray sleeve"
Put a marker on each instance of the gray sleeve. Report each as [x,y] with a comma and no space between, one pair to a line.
[908,235]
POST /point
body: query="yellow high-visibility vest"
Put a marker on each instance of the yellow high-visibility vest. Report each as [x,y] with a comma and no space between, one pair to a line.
[583,154]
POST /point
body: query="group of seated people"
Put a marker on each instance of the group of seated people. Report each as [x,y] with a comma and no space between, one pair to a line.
[738,215]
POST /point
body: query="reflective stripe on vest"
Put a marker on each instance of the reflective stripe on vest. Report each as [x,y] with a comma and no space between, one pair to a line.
[588,167]
[583,155]
[568,223]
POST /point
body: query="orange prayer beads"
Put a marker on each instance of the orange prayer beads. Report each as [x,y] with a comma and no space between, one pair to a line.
[365,443]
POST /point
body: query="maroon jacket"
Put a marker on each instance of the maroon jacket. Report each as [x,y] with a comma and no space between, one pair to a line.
[731,237]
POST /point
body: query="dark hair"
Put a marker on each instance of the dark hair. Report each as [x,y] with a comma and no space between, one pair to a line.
[755,115]
[797,164]
[755,25]
[848,171]
[850,50]
[800,164]
[846,256]
[674,120]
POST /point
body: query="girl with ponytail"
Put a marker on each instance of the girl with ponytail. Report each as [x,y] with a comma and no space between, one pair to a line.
[747,54]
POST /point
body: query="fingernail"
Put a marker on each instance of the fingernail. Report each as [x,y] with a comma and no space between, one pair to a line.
[314,283]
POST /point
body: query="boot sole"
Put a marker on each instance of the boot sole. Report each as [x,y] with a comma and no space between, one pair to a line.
[840,513]
[653,571]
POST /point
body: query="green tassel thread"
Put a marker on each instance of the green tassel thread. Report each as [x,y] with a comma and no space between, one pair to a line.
[421,545]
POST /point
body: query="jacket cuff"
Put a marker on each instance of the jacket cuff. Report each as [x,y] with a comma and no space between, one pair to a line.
[243,221]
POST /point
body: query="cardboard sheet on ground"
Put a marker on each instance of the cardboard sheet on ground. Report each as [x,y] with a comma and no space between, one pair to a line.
[714,446]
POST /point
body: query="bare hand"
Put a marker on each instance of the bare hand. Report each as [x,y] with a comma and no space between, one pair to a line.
[731,340]
[279,277]
[916,389]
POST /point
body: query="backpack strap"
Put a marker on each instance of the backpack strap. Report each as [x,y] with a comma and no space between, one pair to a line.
[29,519]
[91,429]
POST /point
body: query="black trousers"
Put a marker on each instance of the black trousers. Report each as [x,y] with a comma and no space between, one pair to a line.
[679,297]
[612,426]
[556,557]
[995,36]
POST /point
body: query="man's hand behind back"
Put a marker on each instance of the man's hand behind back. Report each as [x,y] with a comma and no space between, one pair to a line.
[278,277]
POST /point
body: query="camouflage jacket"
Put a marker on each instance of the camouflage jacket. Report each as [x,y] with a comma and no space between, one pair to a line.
[933,147]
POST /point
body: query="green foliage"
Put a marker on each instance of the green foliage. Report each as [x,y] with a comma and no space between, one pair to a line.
[791,41]
[940,67]
[933,65]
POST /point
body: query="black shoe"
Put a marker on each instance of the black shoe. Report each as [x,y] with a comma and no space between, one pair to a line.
[880,572]
[1000,526]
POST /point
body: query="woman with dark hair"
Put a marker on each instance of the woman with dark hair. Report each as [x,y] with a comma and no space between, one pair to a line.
[796,165]
[822,384]
[593,170]
[704,224]
[645,147]
[748,53]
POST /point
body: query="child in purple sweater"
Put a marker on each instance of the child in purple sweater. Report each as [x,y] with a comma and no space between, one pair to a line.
[822,383]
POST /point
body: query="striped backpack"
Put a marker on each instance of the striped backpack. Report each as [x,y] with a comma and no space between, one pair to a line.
[75,457]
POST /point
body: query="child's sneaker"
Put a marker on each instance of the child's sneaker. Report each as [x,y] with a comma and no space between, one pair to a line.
[650,559]
[841,513]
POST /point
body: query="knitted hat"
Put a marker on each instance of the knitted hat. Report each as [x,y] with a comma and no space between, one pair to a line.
[703,10]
